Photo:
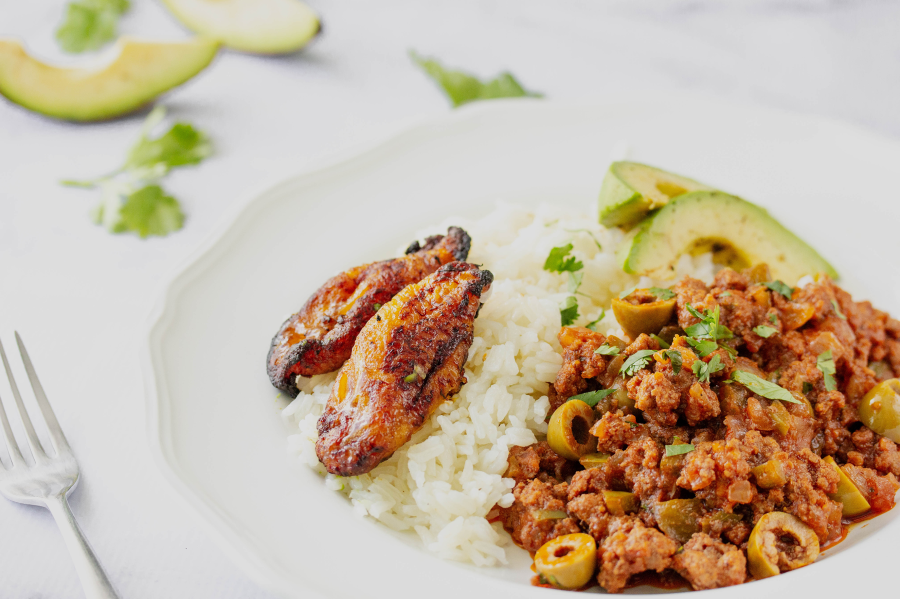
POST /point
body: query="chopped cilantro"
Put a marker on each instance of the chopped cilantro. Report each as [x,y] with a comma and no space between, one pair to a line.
[560,261]
[807,388]
[676,359]
[825,363]
[592,398]
[627,292]
[607,350]
[703,370]
[593,324]
[773,318]
[662,293]
[149,211]
[662,342]
[780,287]
[680,449]
[89,24]
[704,348]
[377,307]
[637,361]
[725,294]
[568,311]
[575,281]
[462,88]
[764,331]
[762,387]
[596,242]
[131,198]
[837,310]
[708,327]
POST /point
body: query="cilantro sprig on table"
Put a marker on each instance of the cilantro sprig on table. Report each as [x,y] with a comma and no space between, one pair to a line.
[462,88]
[89,24]
[131,198]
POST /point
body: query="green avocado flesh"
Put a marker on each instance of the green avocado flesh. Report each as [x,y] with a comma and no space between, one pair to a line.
[630,190]
[258,26]
[140,72]
[740,234]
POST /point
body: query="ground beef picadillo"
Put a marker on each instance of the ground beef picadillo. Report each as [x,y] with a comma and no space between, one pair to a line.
[732,431]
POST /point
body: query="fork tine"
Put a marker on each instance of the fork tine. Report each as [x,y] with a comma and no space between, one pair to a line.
[14,454]
[56,433]
[36,449]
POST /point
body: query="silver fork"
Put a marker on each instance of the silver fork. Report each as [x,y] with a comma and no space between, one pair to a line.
[48,481]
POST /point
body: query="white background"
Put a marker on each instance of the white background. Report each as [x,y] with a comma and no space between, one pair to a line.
[80,296]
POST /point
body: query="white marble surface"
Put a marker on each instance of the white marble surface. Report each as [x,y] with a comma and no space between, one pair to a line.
[80,296]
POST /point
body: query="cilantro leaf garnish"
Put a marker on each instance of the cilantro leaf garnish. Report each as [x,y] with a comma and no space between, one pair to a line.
[679,449]
[662,293]
[704,348]
[592,398]
[593,324]
[131,198]
[181,145]
[676,360]
[89,24]
[762,387]
[596,242]
[568,311]
[662,342]
[637,361]
[773,318]
[825,363]
[807,388]
[559,260]
[627,292]
[462,88]
[764,331]
[703,370]
[708,327]
[149,211]
[575,281]
[607,350]
[780,287]
[837,310]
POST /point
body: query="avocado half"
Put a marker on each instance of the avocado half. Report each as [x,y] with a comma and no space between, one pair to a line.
[257,26]
[739,234]
[630,190]
[141,71]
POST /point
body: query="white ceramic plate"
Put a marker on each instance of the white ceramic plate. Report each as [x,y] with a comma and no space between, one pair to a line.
[213,417]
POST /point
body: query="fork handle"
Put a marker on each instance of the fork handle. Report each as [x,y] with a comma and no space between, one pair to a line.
[93,579]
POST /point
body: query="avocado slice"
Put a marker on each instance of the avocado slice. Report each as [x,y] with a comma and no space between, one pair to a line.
[630,190]
[141,71]
[257,26]
[739,234]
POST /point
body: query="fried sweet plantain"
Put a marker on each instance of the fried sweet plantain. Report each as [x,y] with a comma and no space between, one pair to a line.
[406,361]
[319,338]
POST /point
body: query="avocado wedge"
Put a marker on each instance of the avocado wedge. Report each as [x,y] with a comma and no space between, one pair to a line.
[739,233]
[630,190]
[257,26]
[141,71]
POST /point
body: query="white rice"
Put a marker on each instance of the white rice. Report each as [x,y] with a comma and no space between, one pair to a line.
[445,481]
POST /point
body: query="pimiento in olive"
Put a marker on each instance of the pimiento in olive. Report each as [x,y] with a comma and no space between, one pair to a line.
[780,542]
[879,409]
[569,431]
[568,561]
[848,494]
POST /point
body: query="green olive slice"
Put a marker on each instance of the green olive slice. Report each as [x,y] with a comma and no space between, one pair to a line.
[642,317]
[568,433]
[679,518]
[770,475]
[619,503]
[848,494]
[880,409]
[593,460]
[780,542]
[568,561]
